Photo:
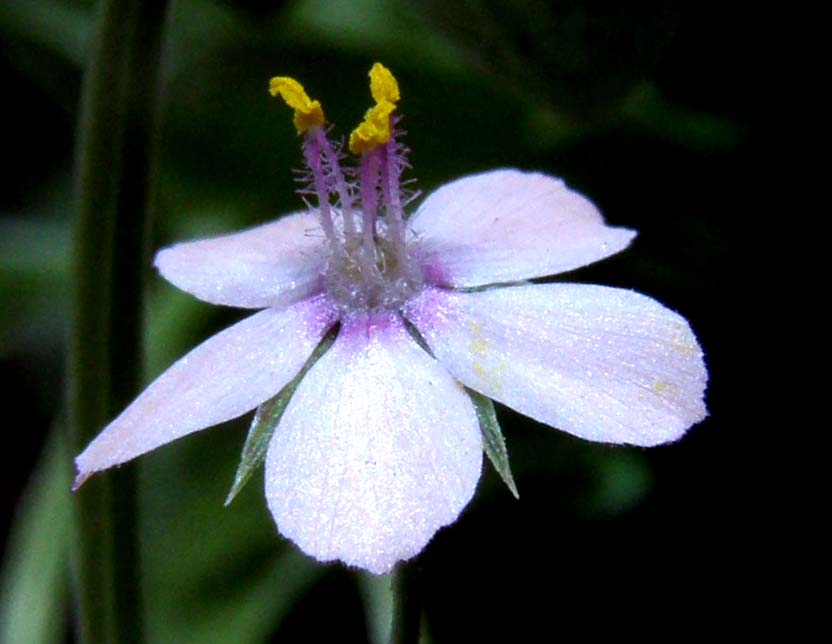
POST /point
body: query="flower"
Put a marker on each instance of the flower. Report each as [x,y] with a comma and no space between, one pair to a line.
[380,444]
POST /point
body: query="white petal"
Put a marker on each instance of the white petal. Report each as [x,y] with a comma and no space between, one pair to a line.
[224,377]
[276,263]
[508,225]
[378,449]
[602,363]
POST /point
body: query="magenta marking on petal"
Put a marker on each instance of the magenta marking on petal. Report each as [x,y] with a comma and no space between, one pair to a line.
[434,272]
[429,310]
[321,313]
[360,327]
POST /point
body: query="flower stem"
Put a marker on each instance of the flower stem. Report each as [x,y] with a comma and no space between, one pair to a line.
[407,603]
[113,172]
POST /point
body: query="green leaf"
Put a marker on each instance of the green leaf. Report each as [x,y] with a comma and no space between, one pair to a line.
[265,421]
[114,171]
[621,480]
[492,438]
[62,28]
[33,586]
[387,28]
[679,124]
[34,262]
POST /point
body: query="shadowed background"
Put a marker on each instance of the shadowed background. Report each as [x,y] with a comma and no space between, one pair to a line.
[645,108]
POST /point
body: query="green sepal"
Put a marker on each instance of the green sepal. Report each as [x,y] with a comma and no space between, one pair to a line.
[492,438]
[266,419]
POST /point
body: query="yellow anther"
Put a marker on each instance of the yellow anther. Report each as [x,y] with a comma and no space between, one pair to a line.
[383,85]
[375,130]
[308,113]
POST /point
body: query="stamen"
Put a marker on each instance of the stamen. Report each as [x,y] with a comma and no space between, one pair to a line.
[338,184]
[375,129]
[367,269]
[308,113]
[320,156]
[314,160]
[383,85]
[369,177]
[390,180]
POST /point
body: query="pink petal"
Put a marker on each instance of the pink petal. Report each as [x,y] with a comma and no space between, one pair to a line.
[378,449]
[508,225]
[224,377]
[273,264]
[602,363]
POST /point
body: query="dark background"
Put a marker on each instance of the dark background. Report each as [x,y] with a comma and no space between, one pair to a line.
[646,107]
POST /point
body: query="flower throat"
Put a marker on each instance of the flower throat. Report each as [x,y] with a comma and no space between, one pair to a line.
[361,210]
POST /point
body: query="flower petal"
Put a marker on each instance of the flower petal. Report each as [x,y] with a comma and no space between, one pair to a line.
[224,377]
[602,363]
[276,263]
[507,225]
[378,449]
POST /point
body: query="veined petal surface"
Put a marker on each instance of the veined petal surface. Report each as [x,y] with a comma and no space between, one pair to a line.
[269,265]
[224,377]
[601,363]
[377,450]
[507,225]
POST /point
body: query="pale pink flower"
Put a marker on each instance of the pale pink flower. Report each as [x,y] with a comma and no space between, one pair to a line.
[380,445]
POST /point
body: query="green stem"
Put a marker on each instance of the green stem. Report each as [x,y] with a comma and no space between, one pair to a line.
[116,139]
[407,603]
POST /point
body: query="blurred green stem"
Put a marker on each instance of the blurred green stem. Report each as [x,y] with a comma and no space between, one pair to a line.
[116,139]
[407,603]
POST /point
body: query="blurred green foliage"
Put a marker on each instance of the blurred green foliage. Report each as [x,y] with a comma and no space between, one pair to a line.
[600,93]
